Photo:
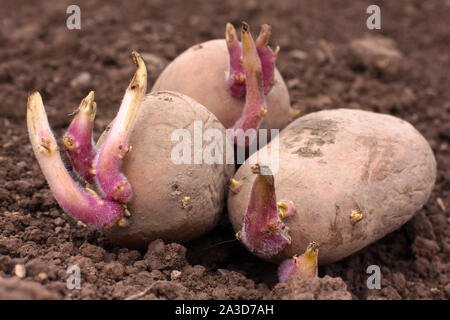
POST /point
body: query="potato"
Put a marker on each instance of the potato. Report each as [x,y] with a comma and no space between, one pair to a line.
[199,73]
[174,202]
[338,166]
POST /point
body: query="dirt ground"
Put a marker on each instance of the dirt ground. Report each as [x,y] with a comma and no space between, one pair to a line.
[323,70]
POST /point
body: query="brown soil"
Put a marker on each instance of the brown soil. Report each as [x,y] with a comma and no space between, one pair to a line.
[324,68]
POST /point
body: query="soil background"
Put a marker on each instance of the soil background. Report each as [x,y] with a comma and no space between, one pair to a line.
[323,68]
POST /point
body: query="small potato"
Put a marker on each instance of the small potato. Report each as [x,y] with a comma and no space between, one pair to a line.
[353,176]
[200,73]
[174,202]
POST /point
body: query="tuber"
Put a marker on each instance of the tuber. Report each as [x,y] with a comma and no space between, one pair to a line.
[236,81]
[353,177]
[135,191]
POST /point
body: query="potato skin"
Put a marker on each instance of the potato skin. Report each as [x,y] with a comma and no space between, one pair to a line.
[199,73]
[335,161]
[159,185]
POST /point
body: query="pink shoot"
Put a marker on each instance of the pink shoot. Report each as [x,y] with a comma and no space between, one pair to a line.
[83,205]
[78,140]
[235,186]
[255,105]
[235,75]
[305,266]
[356,216]
[285,208]
[112,183]
[263,232]
[267,57]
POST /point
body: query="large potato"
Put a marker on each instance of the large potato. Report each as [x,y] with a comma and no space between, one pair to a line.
[199,73]
[175,202]
[335,162]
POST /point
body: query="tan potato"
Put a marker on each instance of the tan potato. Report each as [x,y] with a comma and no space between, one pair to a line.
[339,166]
[174,202]
[200,73]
